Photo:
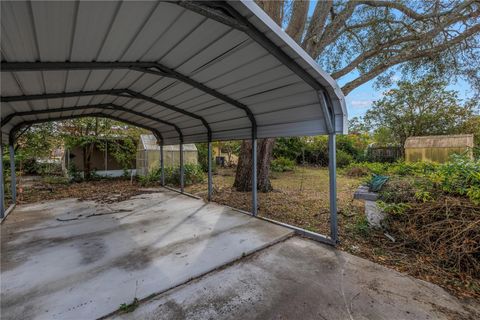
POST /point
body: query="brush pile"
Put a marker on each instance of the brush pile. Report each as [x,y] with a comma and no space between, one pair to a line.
[446,229]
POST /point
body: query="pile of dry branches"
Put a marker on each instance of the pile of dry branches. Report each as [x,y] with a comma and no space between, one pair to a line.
[447,230]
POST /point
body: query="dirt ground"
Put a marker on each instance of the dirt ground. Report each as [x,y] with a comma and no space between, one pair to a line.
[299,198]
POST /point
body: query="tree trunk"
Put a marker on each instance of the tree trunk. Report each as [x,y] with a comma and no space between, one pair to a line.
[87,156]
[243,176]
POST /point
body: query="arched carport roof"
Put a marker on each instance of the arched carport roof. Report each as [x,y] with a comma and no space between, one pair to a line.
[187,70]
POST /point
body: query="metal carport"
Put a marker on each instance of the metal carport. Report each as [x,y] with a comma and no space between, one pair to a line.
[189,71]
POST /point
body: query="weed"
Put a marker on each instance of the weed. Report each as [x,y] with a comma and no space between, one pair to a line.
[394,208]
[130,307]
[55,180]
[360,226]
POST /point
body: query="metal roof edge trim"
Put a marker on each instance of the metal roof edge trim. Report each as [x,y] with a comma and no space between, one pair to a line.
[245,7]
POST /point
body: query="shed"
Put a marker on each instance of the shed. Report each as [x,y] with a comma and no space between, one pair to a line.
[102,161]
[438,148]
[148,154]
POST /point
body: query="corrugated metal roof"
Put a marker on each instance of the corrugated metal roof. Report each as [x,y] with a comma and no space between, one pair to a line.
[186,69]
[444,141]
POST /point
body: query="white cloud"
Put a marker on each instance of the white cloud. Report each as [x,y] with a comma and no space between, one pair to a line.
[361,104]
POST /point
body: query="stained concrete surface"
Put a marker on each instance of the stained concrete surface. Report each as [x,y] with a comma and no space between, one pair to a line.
[301,279]
[70,259]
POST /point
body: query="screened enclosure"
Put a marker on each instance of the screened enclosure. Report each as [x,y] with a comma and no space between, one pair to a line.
[148,155]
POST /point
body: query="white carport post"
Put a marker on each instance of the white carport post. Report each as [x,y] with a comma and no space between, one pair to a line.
[182,169]
[162,166]
[332,172]
[12,173]
[209,155]
[254,176]
[332,164]
[2,192]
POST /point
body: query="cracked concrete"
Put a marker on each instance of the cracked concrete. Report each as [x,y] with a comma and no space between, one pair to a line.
[186,259]
[302,279]
[70,259]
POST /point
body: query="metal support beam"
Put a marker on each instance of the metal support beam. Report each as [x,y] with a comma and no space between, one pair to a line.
[103,106]
[332,171]
[106,158]
[13,175]
[210,182]
[327,113]
[146,67]
[182,169]
[2,192]
[90,114]
[254,176]
[114,92]
[162,166]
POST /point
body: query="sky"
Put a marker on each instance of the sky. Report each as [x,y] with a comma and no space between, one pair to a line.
[360,100]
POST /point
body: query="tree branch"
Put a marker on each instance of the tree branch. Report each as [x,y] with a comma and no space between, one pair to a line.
[317,24]
[296,25]
[397,41]
[408,55]
[411,13]
[335,28]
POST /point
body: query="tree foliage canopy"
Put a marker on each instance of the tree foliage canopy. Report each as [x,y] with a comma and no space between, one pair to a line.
[424,107]
[40,140]
[368,39]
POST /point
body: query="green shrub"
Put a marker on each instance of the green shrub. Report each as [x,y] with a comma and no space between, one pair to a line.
[290,148]
[193,174]
[394,208]
[459,176]
[411,168]
[74,174]
[343,159]
[202,149]
[151,178]
[282,164]
[424,181]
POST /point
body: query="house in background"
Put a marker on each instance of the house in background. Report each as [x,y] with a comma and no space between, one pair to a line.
[102,162]
[148,154]
[438,148]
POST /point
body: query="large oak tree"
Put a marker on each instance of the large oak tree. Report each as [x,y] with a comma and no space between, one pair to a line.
[366,40]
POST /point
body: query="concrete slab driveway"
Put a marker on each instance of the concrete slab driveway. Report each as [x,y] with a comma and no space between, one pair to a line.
[81,260]
[302,279]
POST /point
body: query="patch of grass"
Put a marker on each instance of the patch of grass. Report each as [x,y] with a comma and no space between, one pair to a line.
[55,180]
[359,226]
[130,307]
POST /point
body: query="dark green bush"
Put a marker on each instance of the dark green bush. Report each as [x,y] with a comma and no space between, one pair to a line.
[314,150]
[343,158]
[193,174]
[282,164]
[202,149]
[289,148]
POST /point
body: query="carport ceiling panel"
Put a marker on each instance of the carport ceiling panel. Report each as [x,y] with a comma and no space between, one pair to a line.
[209,52]
[200,38]
[9,85]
